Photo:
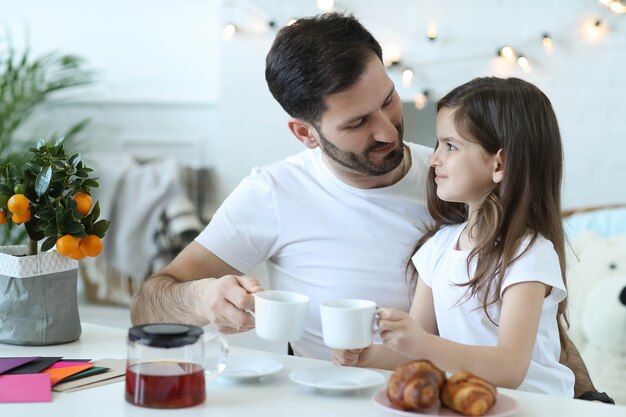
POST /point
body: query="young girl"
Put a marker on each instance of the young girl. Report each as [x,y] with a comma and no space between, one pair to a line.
[490,296]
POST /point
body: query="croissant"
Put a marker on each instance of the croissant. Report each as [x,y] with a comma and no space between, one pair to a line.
[415,385]
[468,394]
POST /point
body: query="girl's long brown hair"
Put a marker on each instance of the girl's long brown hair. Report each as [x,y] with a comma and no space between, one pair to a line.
[515,116]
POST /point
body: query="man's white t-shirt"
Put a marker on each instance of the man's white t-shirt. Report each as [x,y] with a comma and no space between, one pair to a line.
[463,320]
[322,237]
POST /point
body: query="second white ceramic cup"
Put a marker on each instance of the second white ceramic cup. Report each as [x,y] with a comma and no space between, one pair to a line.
[348,323]
[280,315]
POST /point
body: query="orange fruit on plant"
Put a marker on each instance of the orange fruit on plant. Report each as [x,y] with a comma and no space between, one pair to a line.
[67,245]
[19,218]
[77,254]
[3,216]
[91,245]
[83,203]
[18,203]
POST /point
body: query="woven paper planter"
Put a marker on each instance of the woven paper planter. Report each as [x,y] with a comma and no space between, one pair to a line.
[38,300]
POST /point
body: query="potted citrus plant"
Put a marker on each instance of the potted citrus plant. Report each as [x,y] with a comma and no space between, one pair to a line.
[50,196]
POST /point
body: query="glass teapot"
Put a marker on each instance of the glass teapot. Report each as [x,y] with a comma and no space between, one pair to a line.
[169,364]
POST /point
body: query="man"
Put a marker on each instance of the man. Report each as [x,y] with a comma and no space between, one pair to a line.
[338,220]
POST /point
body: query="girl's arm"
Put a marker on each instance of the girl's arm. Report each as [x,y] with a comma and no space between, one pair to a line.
[505,365]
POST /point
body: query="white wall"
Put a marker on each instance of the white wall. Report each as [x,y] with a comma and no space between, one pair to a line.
[165,75]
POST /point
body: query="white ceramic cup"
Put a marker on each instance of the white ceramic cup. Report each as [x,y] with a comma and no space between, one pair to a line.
[280,315]
[348,323]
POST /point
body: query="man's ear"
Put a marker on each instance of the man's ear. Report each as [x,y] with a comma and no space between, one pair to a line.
[498,167]
[304,132]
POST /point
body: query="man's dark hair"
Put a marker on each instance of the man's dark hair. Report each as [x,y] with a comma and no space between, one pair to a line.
[315,57]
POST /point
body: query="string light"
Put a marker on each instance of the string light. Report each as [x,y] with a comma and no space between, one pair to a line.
[229,31]
[432,31]
[547,43]
[407,77]
[595,30]
[522,61]
[616,6]
[421,100]
[507,53]
[391,55]
[325,5]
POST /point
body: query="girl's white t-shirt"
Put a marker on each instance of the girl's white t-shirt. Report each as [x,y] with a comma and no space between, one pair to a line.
[463,320]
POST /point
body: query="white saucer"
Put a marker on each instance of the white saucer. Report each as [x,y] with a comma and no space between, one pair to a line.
[249,368]
[337,379]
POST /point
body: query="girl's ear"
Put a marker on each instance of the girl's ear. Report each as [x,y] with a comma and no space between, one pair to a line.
[303,131]
[498,168]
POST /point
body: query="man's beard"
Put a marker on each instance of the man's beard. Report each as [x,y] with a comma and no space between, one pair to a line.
[361,162]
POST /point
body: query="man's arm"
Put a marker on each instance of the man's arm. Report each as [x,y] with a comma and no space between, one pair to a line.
[571,358]
[188,291]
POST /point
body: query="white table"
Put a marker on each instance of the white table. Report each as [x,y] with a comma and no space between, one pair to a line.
[274,395]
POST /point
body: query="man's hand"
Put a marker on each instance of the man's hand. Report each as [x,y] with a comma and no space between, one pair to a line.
[352,357]
[227,301]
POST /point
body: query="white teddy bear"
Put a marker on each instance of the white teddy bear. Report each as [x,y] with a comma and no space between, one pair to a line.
[597,307]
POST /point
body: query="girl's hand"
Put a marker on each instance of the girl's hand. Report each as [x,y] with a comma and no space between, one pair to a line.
[352,357]
[400,332]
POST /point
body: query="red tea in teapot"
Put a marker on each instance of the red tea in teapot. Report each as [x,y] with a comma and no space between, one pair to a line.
[165,384]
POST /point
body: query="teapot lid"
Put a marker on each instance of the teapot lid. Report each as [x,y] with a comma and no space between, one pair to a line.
[164,335]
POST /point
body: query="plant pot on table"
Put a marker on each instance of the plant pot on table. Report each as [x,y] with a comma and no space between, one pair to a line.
[38,297]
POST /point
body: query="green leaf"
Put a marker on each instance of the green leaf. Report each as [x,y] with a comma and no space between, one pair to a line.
[46,215]
[43,181]
[74,229]
[40,143]
[95,211]
[75,159]
[59,141]
[48,244]
[68,217]
[100,228]
[90,182]
[51,230]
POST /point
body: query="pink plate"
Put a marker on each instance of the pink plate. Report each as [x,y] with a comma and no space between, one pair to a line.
[504,406]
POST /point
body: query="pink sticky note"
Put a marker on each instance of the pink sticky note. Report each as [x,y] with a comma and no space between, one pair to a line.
[63,364]
[25,388]
[13,362]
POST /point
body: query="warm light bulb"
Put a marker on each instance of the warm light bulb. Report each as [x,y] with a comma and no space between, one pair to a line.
[548,44]
[617,7]
[507,53]
[229,31]
[606,2]
[325,5]
[421,100]
[522,61]
[432,31]
[407,77]
[391,55]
